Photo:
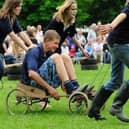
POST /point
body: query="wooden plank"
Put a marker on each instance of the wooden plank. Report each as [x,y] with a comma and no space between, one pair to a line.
[13,65]
[32,91]
[79,58]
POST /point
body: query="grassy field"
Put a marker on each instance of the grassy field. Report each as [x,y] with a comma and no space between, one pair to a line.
[58,116]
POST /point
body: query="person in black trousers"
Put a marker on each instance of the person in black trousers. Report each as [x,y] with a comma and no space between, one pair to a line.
[118,43]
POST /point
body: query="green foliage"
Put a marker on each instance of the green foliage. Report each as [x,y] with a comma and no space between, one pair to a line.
[38,11]
[105,10]
[83,14]
[41,11]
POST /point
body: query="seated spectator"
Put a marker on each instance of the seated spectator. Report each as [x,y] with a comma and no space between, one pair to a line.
[71,42]
[45,70]
[65,48]
[32,34]
[89,47]
[8,48]
[78,54]
[18,53]
[72,51]
[39,33]
[106,54]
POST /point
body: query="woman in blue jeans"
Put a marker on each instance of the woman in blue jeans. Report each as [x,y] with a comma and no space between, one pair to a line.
[9,25]
[118,42]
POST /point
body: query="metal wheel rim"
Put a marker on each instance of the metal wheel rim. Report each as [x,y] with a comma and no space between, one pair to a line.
[15,103]
[85,100]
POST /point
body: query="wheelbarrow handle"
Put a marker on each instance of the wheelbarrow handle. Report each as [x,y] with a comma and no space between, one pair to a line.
[61,96]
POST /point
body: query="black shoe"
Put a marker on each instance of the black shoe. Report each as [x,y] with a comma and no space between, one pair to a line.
[99,100]
[96,116]
[119,114]
[99,117]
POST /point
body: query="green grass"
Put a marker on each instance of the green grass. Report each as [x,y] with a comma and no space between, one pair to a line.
[58,116]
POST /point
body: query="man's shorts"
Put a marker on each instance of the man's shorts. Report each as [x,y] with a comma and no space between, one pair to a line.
[47,71]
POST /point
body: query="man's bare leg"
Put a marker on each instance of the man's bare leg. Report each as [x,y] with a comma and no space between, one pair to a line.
[62,73]
[69,66]
[70,70]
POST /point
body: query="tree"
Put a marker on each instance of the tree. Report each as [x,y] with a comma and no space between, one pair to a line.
[105,10]
[41,11]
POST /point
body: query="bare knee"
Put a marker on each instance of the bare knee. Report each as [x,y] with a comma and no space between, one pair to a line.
[56,57]
[66,58]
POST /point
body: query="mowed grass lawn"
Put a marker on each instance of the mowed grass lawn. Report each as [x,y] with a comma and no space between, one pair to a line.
[58,116]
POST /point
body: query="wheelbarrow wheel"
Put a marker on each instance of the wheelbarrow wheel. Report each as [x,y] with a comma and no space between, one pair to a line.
[37,104]
[17,102]
[78,102]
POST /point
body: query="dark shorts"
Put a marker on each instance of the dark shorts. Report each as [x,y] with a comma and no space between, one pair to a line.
[48,72]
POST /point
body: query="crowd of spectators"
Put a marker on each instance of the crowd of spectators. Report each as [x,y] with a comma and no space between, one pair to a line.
[90,40]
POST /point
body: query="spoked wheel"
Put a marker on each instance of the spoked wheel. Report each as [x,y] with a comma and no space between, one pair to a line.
[78,103]
[37,104]
[17,102]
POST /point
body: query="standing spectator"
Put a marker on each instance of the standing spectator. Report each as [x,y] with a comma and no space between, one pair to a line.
[63,22]
[39,33]
[118,42]
[80,37]
[9,25]
[106,54]
[92,35]
[98,49]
